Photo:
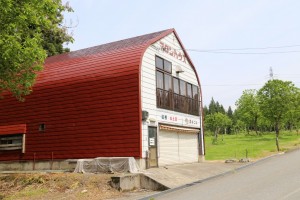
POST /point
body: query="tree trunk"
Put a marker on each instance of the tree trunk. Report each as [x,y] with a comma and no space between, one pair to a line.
[216,134]
[255,125]
[277,135]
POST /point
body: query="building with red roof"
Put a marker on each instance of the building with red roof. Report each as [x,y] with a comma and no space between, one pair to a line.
[139,97]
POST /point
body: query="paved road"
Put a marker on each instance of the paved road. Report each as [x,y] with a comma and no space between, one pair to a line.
[275,178]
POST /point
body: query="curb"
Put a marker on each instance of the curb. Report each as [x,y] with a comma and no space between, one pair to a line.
[212,177]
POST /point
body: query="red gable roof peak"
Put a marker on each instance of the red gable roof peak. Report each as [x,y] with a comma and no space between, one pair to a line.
[138,41]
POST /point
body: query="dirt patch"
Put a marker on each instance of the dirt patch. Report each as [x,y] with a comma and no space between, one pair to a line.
[57,186]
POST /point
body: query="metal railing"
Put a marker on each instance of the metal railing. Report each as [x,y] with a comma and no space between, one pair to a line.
[171,101]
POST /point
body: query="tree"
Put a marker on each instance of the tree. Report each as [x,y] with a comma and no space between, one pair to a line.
[276,99]
[215,106]
[238,126]
[205,110]
[248,109]
[292,118]
[30,30]
[230,112]
[216,122]
[212,107]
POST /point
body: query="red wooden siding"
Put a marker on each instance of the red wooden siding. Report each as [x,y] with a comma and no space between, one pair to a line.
[89,101]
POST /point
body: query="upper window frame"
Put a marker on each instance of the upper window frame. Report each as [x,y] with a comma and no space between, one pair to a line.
[164,63]
[183,86]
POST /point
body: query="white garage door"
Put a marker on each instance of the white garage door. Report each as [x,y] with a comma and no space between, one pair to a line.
[177,148]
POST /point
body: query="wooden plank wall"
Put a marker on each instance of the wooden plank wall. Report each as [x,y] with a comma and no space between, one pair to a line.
[90,108]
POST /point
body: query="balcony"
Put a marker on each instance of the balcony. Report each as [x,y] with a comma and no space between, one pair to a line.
[179,103]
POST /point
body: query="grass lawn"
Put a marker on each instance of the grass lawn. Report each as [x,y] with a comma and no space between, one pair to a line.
[257,146]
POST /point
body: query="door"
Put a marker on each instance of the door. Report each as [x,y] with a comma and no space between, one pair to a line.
[188,147]
[176,148]
[168,148]
[152,142]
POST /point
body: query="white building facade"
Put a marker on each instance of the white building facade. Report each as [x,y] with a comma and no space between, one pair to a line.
[172,130]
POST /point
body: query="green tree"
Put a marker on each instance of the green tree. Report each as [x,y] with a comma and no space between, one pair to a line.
[215,106]
[276,99]
[216,122]
[248,109]
[205,110]
[264,124]
[238,126]
[30,30]
[230,112]
[292,117]
[212,107]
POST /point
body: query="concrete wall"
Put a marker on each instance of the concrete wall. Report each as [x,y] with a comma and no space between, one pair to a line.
[68,165]
[134,181]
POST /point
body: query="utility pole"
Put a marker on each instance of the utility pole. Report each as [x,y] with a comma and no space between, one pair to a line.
[271,74]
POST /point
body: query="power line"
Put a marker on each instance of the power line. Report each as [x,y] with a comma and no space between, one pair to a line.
[230,85]
[244,53]
[245,49]
[234,85]
[231,50]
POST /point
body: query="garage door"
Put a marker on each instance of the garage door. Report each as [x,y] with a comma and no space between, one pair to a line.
[176,147]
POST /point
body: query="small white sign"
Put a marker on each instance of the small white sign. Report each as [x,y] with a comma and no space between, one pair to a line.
[152,141]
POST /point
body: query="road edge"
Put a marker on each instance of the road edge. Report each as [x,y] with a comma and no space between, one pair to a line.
[215,176]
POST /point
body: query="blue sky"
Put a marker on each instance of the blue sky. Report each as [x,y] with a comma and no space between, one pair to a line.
[205,25]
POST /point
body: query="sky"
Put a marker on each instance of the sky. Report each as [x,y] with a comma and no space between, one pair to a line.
[232,43]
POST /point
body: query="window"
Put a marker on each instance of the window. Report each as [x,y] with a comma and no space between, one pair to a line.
[164,83]
[195,100]
[167,66]
[182,88]
[176,95]
[189,97]
[173,93]
[163,64]
[159,63]
[11,142]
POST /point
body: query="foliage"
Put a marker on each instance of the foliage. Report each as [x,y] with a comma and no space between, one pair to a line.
[230,112]
[213,119]
[247,109]
[205,110]
[238,126]
[215,107]
[217,122]
[30,30]
[277,99]
[275,106]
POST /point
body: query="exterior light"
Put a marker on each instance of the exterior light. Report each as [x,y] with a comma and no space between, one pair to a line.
[178,69]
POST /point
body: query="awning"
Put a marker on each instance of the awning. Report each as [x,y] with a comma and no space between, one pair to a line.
[178,129]
[13,129]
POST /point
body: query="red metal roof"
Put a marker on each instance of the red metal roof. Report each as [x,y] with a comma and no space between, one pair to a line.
[123,51]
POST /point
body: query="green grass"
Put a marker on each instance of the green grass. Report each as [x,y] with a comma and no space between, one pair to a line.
[257,146]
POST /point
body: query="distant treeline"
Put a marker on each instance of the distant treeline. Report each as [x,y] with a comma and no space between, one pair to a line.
[274,107]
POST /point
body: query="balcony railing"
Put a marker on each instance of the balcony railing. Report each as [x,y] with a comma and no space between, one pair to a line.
[171,101]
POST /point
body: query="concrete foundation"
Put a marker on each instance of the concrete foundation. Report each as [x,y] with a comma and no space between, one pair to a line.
[201,158]
[66,165]
[135,181]
[141,162]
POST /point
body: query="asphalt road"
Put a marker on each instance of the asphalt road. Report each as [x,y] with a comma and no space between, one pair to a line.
[275,178]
